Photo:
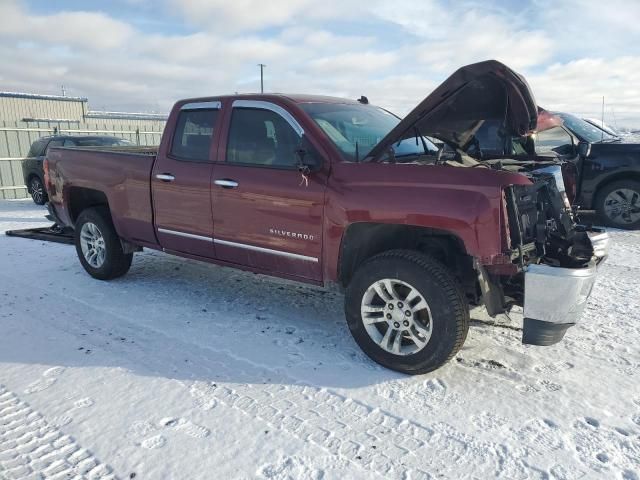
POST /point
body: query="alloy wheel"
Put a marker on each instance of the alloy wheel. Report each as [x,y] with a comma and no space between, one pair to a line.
[396,316]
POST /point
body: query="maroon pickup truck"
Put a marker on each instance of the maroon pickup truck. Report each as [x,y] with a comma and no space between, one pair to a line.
[334,192]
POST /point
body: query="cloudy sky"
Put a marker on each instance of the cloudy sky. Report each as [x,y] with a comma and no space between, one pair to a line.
[142,55]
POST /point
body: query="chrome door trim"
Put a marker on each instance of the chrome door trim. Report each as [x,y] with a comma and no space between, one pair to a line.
[253,248]
[202,106]
[274,108]
[183,234]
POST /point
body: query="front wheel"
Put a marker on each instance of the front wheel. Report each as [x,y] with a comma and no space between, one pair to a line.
[618,204]
[98,245]
[406,311]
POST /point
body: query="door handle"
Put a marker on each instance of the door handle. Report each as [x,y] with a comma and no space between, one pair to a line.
[226,183]
[165,177]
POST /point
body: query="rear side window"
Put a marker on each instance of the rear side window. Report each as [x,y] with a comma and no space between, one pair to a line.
[55,143]
[37,148]
[193,134]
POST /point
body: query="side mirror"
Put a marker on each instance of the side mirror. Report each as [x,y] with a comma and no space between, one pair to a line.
[584,149]
[308,158]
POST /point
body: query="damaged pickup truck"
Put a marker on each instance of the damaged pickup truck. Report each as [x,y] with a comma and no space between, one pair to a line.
[329,191]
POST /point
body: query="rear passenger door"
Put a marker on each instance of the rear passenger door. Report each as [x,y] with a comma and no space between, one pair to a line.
[181,182]
[265,215]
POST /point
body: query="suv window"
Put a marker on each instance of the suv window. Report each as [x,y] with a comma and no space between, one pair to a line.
[556,140]
[56,142]
[193,134]
[261,137]
[37,148]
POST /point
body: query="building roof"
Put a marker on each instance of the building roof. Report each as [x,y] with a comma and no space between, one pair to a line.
[37,96]
[126,115]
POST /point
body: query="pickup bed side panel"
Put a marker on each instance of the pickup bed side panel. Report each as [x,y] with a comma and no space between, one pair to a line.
[124,178]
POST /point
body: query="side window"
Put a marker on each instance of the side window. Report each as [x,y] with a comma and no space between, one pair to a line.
[70,143]
[193,134]
[55,143]
[37,148]
[261,137]
[556,140]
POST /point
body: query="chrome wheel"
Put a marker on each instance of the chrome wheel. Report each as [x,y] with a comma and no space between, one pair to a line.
[623,206]
[396,316]
[37,190]
[92,244]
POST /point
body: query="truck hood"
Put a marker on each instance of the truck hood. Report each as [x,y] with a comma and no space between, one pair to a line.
[455,110]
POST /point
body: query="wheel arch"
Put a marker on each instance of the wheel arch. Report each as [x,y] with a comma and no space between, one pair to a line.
[363,240]
[81,198]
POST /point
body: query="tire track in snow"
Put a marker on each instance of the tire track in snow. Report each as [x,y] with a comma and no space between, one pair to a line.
[30,447]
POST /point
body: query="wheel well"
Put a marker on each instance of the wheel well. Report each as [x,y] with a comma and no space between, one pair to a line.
[82,198]
[616,177]
[364,240]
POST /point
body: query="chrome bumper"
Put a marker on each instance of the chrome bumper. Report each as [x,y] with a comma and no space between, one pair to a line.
[554,297]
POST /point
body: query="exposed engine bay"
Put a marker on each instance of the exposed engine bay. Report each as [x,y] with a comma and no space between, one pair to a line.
[542,223]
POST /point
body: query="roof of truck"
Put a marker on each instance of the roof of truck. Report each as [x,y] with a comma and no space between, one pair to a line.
[292,97]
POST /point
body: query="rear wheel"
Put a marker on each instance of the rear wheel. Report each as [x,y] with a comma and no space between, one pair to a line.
[406,311]
[618,204]
[38,192]
[98,245]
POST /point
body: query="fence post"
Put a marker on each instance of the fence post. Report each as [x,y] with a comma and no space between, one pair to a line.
[138,136]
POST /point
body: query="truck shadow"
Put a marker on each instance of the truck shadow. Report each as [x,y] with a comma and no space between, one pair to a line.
[187,320]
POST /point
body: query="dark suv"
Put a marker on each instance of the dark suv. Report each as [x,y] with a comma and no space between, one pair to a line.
[32,165]
[602,173]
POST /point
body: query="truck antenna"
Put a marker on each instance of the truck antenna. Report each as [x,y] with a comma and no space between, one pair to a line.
[261,65]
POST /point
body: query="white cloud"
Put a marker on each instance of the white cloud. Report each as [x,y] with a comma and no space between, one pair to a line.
[82,30]
[393,53]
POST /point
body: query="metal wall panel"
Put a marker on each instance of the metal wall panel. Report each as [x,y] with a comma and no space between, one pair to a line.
[16,138]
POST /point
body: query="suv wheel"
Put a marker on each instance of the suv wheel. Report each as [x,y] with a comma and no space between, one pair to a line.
[37,190]
[618,204]
[98,245]
[406,311]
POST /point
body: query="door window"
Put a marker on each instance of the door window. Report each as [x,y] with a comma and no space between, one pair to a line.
[193,134]
[556,140]
[262,138]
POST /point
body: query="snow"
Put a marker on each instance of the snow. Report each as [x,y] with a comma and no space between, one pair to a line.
[184,370]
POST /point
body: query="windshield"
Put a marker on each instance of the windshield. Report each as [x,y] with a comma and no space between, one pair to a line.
[358,128]
[584,130]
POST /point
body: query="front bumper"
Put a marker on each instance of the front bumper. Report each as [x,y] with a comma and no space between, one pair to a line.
[555,297]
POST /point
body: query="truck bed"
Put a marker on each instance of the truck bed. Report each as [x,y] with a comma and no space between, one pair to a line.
[123,174]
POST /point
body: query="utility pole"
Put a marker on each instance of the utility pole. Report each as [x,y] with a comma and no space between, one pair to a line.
[261,65]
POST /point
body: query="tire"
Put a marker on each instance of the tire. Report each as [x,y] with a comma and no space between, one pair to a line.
[447,311]
[618,204]
[95,223]
[37,191]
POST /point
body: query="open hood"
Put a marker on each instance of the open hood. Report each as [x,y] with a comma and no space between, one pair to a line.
[457,108]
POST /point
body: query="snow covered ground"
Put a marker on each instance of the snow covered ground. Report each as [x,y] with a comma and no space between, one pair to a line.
[183,370]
